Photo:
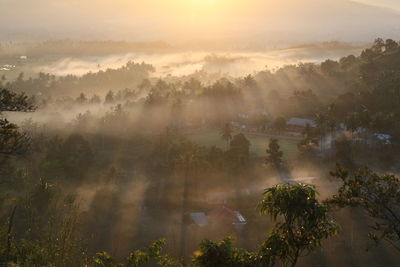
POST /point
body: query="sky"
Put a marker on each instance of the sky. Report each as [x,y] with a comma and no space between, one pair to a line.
[394,4]
[185,20]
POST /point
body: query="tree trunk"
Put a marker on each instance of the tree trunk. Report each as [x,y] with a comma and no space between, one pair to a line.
[296,257]
[184,209]
[10,224]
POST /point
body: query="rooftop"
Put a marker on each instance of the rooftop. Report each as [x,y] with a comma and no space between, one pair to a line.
[301,122]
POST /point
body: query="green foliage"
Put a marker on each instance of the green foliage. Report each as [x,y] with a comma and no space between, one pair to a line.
[327,120]
[390,45]
[348,62]
[109,99]
[279,124]
[103,259]
[12,141]
[44,232]
[274,153]
[308,145]
[378,195]
[372,103]
[304,222]
[154,254]
[222,89]
[44,229]
[71,157]
[226,132]
[330,67]
[239,150]
[223,254]
[344,153]
[122,77]
[10,101]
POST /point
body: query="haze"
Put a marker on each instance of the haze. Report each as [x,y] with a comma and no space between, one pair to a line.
[265,22]
[128,122]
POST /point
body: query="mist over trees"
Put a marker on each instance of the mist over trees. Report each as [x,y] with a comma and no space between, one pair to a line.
[96,170]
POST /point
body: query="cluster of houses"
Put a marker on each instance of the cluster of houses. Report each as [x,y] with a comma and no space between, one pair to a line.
[295,127]
[219,215]
[245,122]
[7,67]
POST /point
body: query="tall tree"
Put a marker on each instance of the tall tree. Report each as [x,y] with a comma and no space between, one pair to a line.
[274,153]
[239,150]
[109,97]
[309,143]
[330,67]
[390,45]
[378,195]
[226,133]
[10,101]
[12,141]
[279,124]
[303,223]
[378,45]
[81,99]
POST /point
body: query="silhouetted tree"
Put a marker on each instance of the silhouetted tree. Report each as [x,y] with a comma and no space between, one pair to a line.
[12,141]
[279,124]
[347,62]
[81,99]
[109,99]
[95,99]
[390,45]
[309,143]
[274,153]
[378,45]
[330,67]
[226,133]
[239,149]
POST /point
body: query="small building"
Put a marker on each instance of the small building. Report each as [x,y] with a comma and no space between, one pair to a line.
[239,125]
[383,138]
[300,123]
[225,215]
[219,217]
[243,115]
[199,218]
[368,138]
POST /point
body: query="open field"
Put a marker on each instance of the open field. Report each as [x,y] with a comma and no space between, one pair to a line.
[258,143]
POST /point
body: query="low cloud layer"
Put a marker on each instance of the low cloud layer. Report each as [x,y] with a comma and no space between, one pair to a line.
[186,63]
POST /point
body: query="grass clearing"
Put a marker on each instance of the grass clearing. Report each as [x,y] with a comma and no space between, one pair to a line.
[258,143]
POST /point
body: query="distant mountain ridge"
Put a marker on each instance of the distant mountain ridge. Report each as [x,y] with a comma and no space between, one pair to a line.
[258,21]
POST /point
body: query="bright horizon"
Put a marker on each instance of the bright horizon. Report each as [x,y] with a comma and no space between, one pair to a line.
[180,20]
[393,4]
